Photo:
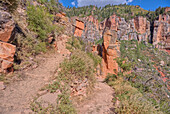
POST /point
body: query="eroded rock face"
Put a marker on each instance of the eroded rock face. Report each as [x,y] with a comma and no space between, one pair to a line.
[135,29]
[91,32]
[110,23]
[7,52]
[62,18]
[110,53]
[79,27]
[6,26]
[161,34]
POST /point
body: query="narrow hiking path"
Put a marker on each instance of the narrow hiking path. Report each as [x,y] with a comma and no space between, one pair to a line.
[100,102]
[16,98]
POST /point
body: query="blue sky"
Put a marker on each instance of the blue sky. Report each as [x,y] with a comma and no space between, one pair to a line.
[146,4]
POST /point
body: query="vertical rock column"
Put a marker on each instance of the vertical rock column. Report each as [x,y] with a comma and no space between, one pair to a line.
[110,53]
[161,35]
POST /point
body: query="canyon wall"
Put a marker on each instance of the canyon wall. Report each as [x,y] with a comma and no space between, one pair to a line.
[135,29]
[115,28]
[111,30]
[91,32]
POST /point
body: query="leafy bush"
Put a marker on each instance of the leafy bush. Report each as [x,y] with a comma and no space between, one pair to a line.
[65,106]
[40,21]
[41,47]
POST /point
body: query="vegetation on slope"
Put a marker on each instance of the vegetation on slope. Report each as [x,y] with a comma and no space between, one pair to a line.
[122,10]
[145,77]
[53,6]
[33,39]
[128,99]
[145,90]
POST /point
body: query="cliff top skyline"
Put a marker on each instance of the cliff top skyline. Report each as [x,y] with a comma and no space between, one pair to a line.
[145,4]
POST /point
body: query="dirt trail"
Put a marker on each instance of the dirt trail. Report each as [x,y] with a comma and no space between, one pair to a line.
[100,102]
[16,98]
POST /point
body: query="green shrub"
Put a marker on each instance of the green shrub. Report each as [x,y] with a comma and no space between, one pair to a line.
[123,64]
[40,21]
[78,67]
[74,43]
[110,78]
[41,47]
[65,106]
[96,59]
[2,77]
[52,5]
[147,81]
[99,42]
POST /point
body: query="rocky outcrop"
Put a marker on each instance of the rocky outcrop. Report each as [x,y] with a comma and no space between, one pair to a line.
[6,26]
[7,50]
[161,34]
[91,32]
[167,9]
[110,23]
[79,27]
[110,53]
[136,29]
[61,18]
[112,30]
[87,28]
